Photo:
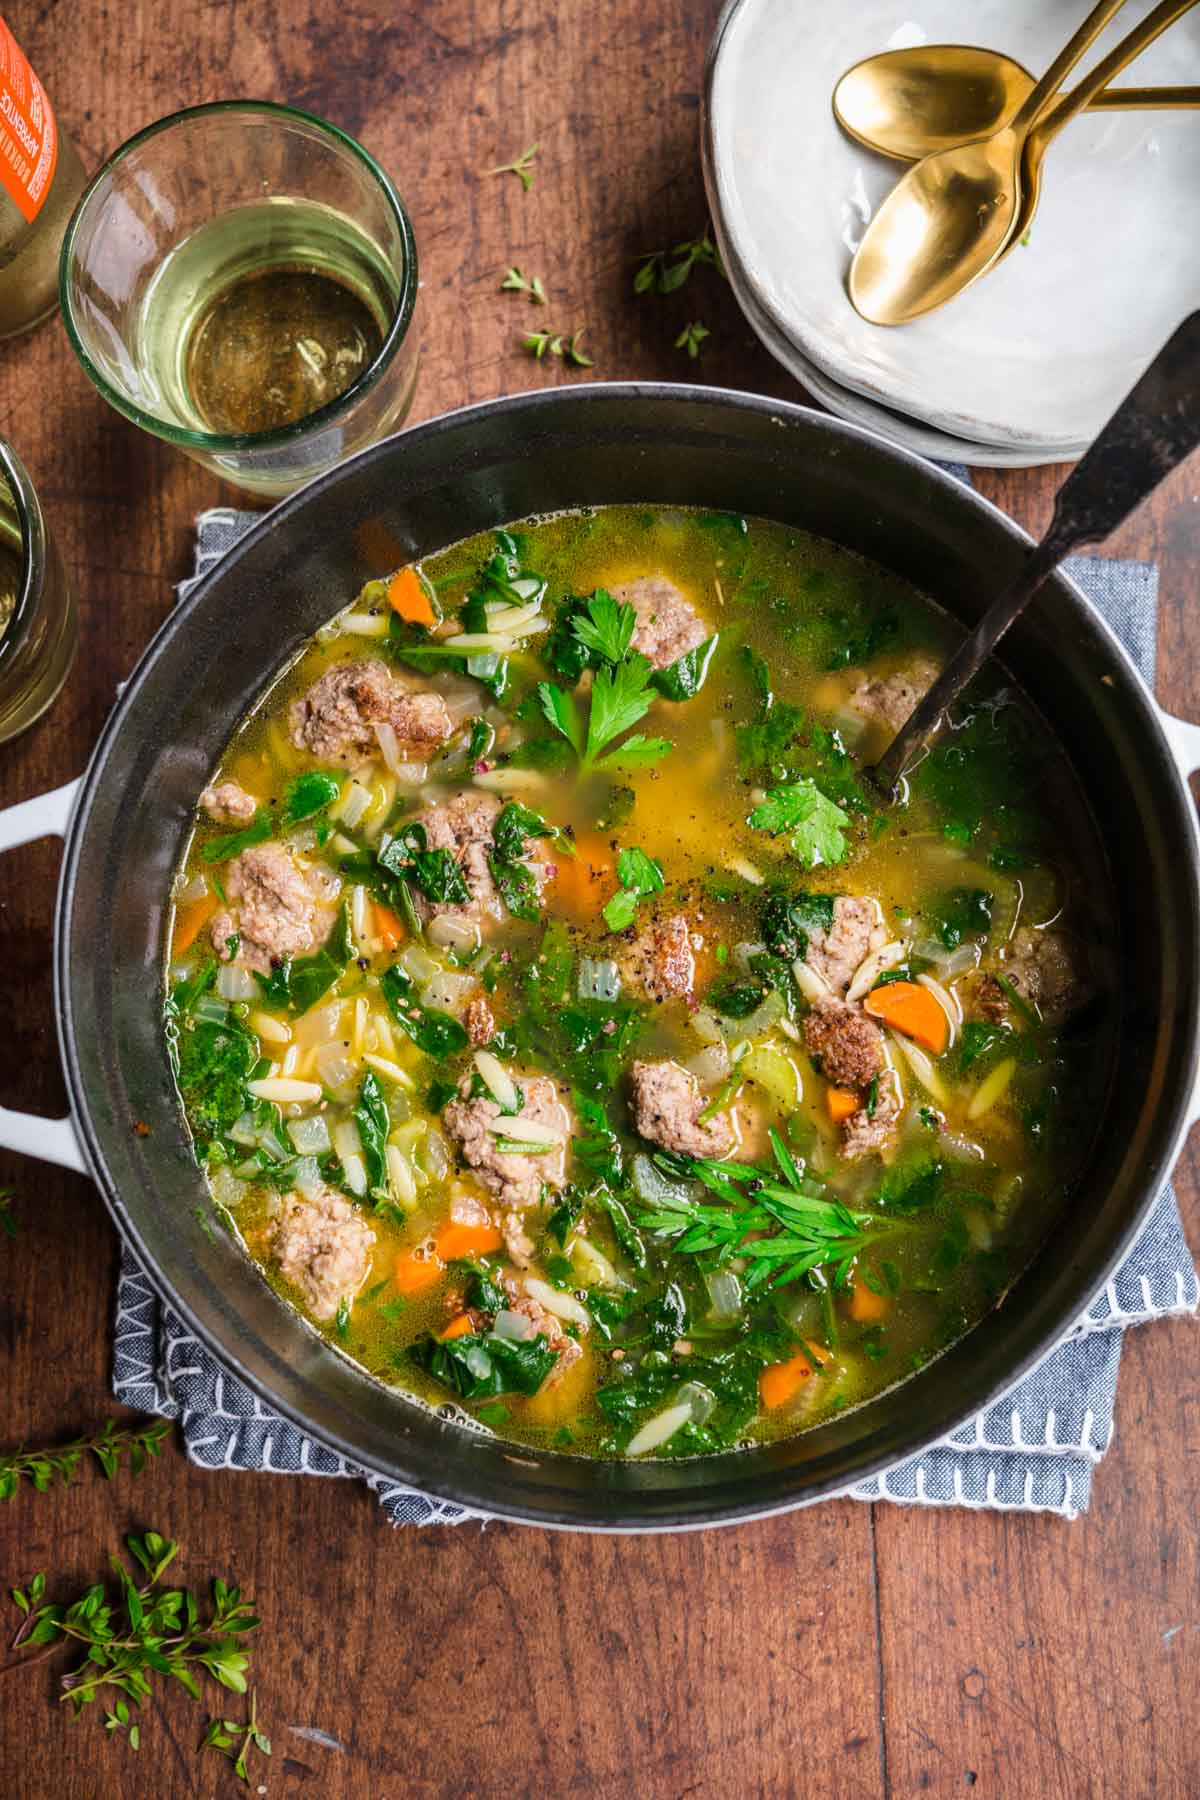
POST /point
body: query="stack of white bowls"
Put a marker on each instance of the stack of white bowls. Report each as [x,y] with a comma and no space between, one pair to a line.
[1026,365]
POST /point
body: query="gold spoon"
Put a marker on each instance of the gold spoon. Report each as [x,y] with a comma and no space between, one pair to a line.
[1084,94]
[910,103]
[950,216]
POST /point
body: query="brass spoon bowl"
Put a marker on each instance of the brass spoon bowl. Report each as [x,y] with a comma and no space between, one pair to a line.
[908,104]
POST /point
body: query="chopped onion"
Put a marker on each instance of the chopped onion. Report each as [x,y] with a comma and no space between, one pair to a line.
[949,964]
[563,1306]
[598,979]
[208,1007]
[921,1067]
[435,1156]
[368,625]
[346,1140]
[710,1065]
[272,1145]
[353,806]
[961,1149]
[416,961]
[284,1092]
[270,1029]
[355,1171]
[498,1081]
[725,1292]
[514,1325]
[318,1025]
[526,1131]
[741,954]
[389,744]
[652,1186]
[704,1024]
[873,966]
[656,1431]
[527,586]
[700,1400]
[992,1088]
[412,774]
[593,1267]
[245,1131]
[360,902]
[193,890]
[448,991]
[306,1176]
[227,1190]
[180,971]
[310,1134]
[390,1071]
[335,1068]
[814,987]
[450,932]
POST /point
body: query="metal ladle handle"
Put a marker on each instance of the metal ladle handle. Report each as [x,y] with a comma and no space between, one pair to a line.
[1155,427]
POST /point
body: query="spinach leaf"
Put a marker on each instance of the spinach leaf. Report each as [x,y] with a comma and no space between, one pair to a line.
[787,919]
[597,1147]
[735,999]
[438,1034]
[232,843]
[514,826]
[436,872]
[983,777]
[371,1117]
[913,1186]
[730,1375]
[559,1224]
[478,1367]
[215,1061]
[624,1229]
[780,743]
[308,795]
[298,983]
[962,913]
[483,1291]
[683,679]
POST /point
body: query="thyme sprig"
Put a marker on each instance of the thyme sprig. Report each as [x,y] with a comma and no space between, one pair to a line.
[516,283]
[663,271]
[235,1740]
[149,1631]
[521,166]
[43,1466]
[691,338]
[802,1229]
[556,343]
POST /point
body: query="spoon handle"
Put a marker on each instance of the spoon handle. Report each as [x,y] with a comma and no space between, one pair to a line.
[1043,92]
[1155,427]
[1118,58]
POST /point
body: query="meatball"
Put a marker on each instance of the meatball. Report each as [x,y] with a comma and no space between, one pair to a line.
[322,1246]
[464,825]
[517,1241]
[228,803]
[567,1349]
[668,626]
[989,1000]
[847,1043]
[661,959]
[515,1177]
[335,721]
[1043,967]
[835,954]
[889,699]
[866,1132]
[274,910]
[667,1104]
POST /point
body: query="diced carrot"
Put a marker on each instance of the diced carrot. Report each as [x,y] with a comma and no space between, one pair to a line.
[417,1274]
[457,1240]
[585,882]
[462,1326]
[780,1382]
[842,1103]
[912,1009]
[389,927]
[866,1306]
[407,596]
[191,922]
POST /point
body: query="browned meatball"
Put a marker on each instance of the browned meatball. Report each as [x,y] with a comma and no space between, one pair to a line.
[667,1104]
[668,625]
[848,1044]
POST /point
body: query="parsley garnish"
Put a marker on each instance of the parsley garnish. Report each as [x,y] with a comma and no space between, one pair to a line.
[622,691]
[638,875]
[815,823]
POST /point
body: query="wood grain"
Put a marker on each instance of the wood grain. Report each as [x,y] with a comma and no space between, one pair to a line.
[845,1651]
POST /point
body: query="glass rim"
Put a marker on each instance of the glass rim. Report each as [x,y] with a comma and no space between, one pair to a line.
[33,554]
[219,443]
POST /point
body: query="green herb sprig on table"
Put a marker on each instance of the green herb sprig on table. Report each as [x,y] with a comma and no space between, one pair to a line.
[235,1740]
[541,344]
[664,271]
[149,1631]
[60,1462]
[516,283]
[804,1229]
[692,337]
[622,691]
[521,166]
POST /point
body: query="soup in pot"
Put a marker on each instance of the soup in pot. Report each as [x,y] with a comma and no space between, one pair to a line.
[568,1031]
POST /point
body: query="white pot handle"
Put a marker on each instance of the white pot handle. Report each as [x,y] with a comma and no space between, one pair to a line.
[1184,740]
[50,1140]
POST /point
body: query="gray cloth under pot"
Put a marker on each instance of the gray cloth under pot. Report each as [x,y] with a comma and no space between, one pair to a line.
[1033,1450]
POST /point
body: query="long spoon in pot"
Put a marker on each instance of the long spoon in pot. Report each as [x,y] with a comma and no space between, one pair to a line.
[1155,427]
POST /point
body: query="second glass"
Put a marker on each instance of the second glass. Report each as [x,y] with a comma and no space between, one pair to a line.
[240,280]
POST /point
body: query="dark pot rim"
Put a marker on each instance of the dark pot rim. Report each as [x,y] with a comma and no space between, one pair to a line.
[611,1506]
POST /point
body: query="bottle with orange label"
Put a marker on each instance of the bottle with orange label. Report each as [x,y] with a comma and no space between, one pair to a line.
[41,178]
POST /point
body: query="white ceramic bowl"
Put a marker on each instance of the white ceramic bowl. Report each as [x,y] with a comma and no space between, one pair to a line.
[1035,357]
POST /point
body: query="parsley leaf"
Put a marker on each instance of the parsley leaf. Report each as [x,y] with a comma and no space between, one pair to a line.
[814,822]
[638,875]
[605,627]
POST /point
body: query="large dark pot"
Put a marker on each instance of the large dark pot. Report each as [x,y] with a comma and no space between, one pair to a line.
[407,498]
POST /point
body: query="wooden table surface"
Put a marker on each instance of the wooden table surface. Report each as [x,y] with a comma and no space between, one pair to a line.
[846,1650]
